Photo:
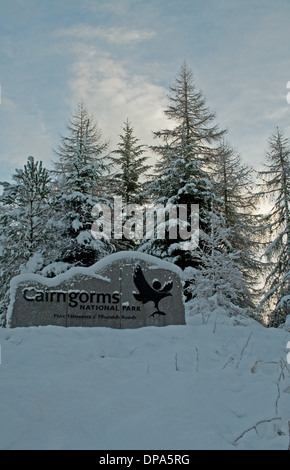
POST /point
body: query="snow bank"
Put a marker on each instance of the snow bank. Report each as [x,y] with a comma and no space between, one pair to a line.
[220,384]
[156,262]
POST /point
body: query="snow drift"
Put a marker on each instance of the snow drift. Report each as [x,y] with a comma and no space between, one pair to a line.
[215,383]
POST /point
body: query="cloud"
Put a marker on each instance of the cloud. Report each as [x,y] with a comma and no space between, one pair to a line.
[113,94]
[113,35]
[277,114]
[114,89]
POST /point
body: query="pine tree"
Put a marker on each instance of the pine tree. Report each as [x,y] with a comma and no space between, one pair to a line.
[81,172]
[218,283]
[193,120]
[276,224]
[81,160]
[131,167]
[27,227]
[234,187]
[181,175]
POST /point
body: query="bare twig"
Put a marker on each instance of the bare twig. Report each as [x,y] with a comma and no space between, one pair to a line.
[284,365]
[253,427]
[197,358]
[243,350]
[17,342]
[230,359]
[282,371]
[253,369]
[215,323]
[176,364]
[131,352]
[278,397]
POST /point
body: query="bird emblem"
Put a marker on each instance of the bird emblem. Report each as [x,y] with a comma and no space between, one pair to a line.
[150,294]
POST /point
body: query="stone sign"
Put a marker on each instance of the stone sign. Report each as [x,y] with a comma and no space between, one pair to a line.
[123,290]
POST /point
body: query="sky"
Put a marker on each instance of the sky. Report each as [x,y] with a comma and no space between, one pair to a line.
[121,56]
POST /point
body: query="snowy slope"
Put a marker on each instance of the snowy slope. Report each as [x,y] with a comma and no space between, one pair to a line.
[199,386]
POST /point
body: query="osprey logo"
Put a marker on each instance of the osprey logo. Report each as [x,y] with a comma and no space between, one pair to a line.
[150,294]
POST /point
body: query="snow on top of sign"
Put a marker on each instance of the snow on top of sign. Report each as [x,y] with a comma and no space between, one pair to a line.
[157,263]
[54,281]
[92,271]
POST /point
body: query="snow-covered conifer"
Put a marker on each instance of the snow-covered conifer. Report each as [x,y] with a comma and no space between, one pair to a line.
[131,166]
[218,282]
[236,202]
[26,220]
[81,171]
[181,173]
[276,224]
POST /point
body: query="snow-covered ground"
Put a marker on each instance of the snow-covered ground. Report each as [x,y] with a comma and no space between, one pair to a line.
[223,383]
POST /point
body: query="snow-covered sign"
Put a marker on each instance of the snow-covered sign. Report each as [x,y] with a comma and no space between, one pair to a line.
[124,290]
